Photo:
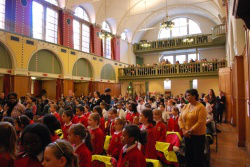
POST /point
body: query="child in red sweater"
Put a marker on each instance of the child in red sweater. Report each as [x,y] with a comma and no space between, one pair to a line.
[86,111]
[66,119]
[130,155]
[53,109]
[97,136]
[80,118]
[146,118]
[8,144]
[160,127]
[110,130]
[116,145]
[173,121]
[80,137]
[98,109]
[132,112]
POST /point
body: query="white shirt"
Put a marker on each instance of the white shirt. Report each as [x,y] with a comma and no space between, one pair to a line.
[105,114]
[121,113]
[165,116]
[140,108]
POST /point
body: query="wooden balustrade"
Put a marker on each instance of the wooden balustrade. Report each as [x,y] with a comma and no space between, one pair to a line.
[218,30]
[172,69]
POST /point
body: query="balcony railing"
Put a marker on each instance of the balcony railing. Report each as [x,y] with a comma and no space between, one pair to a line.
[218,31]
[172,70]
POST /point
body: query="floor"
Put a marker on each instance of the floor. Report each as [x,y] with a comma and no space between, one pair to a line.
[228,155]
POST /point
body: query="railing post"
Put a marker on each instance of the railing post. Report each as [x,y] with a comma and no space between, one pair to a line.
[178,68]
[156,70]
[201,67]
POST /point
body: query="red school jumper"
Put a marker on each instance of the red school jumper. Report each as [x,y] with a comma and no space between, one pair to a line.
[65,129]
[81,119]
[115,145]
[102,125]
[173,125]
[130,116]
[6,160]
[149,148]
[110,130]
[84,155]
[131,157]
[57,116]
[86,114]
[160,130]
[97,140]
[24,160]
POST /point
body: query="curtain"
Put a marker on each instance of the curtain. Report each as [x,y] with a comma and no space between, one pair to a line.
[60,27]
[102,53]
[7,85]
[10,7]
[113,48]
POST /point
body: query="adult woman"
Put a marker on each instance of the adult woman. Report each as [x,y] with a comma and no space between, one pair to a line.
[13,108]
[212,101]
[192,122]
[220,106]
[96,100]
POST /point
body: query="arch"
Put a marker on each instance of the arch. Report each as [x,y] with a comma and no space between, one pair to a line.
[82,13]
[54,2]
[82,68]
[45,61]
[5,57]
[106,27]
[108,72]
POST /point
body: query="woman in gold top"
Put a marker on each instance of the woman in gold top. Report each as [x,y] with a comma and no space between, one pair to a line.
[192,122]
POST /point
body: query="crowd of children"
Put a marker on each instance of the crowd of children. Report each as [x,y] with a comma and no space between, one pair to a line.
[70,134]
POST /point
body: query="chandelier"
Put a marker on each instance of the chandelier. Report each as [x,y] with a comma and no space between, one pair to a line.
[145,44]
[188,40]
[104,35]
[167,24]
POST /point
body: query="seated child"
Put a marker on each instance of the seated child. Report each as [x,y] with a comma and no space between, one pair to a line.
[110,130]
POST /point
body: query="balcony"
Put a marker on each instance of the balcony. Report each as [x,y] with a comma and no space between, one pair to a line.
[201,69]
[217,38]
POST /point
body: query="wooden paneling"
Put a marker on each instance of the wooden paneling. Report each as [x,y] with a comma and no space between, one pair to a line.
[81,87]
[1,83]
[50,87]
[100,86]
[22,85]
[68,87]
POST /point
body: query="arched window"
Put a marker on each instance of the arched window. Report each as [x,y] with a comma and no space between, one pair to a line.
[2,14]
[183,26]
[81,13]
[45,18]
[124,36]
[106,42]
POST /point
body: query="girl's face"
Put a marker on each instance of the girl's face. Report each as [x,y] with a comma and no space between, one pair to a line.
[32,144]
[143,119]
[118,126]
[95,95]
[205,99]
[86,110]
[72,138]
[51,161]
[125,137]
[65,118]
[78,112]
[162,108]
[156,116]
[112,115]
[92,122]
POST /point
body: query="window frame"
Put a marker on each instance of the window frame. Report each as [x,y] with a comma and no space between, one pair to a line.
[4,16]
[178,54]
[107,48]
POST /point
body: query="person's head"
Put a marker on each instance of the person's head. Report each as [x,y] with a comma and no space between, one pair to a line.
[131,134]
[2,95]
[119,124]
[29,114]
[221,93]
[140,102]
[192,95]
[1,107]
[175,111]
[98,109]
[132,107]
[103,105]
[94,119]
[107,91]
[211,93]
[182,100]
[9,119]
[136,121]
[35,138]
[21,122]
[146,116]
[113,113]
[67,116]
[157,114]
[205,99]
[52,123]
[78,133]
[53,108]
[170,102]
[60,154]
[8,139]
[119,105]
[97,94]
[79,110]
[12,98]
[150,100]
[162,107]
[86,108]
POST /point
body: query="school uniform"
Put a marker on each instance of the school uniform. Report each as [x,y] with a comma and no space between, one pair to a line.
[102,125]
[149,148]
[97,140]
[86,114]
[53,137]
[173,125]
[160,130]
[105,114]
[28,161]
[115,145]
[140,108]
[57,116]
[130,116]
[80,119]
[84,155]
[110,130]
[6,160]
[131,157]
[121,113]
[65,129]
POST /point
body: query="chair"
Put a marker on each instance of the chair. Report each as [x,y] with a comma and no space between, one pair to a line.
[154,162]
[163,147]
[101,160]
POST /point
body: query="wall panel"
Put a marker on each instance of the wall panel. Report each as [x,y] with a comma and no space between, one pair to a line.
[50,87]
[22,85]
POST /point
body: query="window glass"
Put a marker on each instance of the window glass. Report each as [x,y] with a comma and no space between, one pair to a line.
[164,33]
[192,56]
[194,28]
[51,25]
[81,13]
[180,58]
[124,36]
[169,58]
[37,20]
[195,84]
[76,29]
[54,2]
[2,14]
[108,48]
[167,84]
[85,38]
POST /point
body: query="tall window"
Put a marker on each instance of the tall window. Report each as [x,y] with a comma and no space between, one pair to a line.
[183,26]
[2,14]
[169,58]
[195,84]
[81,30]
[106,43]
[167,84]
[181,58]
[45,21]
[124,36]
[54,2]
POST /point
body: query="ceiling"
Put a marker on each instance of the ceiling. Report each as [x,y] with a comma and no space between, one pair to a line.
[133,15]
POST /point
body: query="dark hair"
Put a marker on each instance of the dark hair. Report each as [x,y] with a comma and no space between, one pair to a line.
[136,133]
[96,117]
[107,90]
[22,121]
[152,99]
[121,121]
[193,92]
[213,94]
[103,103]
[80,130]
[51,122]
[134,107]
[80,107]
[68,113]
[33,99]
[98,93]
[148,113]
[147,105]
[29,113]
[39,129]
[113,110]
[9,119]
[12,94]
[99,110]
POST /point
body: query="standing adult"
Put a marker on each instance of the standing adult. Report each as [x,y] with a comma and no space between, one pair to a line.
[212,101]
[220,106]
[3,100]
[107,98]
[13,108]
[192,122]
[96,100]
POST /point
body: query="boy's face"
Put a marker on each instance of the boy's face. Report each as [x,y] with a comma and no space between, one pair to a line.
[92,122]
[78,112]
[136,121]
[112,115]
[156,116]
[72,137]
[65,118]
[118,126]
[52,109]
[125,137]
[102,106]
[162,108]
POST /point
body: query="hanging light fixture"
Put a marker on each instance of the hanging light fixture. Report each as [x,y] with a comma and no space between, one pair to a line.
[145,44]
[167,24]
[188,40]
[104,34]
